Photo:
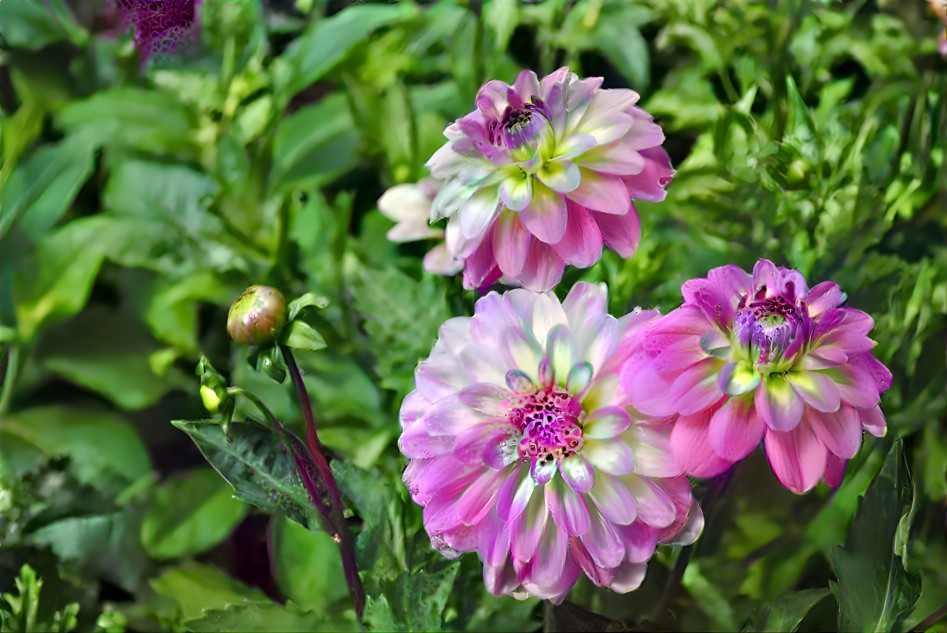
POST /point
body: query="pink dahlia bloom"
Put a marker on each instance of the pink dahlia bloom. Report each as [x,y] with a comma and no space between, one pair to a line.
[542,173]
[761,356]
[523,450]
[409,206]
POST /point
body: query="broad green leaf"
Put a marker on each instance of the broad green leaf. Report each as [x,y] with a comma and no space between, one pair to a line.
[33,25]
[301,335]
[146,120]
[43,189]
[102,545]
[307,565]
[55,279]
[709,598]
[268,617]
[297,306]
[18,456]
[314,144]
[257,465]
[100,444]
[501,17]
[327,42]
[874,591]
[189,515]
[108,352]
[197,588]
[788,612]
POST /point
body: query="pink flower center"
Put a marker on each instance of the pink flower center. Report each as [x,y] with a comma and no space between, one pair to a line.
[549,422]
[518,125]
[770,325]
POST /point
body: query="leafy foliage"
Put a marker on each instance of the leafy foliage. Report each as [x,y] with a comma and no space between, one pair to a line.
[137,201]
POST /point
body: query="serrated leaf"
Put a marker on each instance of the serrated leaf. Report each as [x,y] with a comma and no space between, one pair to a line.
[267,617]
[189,515]
[787,613]
[402,317]
[301,335]
[874,591]
[415,601]
[260,469]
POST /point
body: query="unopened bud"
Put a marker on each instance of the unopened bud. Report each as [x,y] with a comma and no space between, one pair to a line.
[257,316]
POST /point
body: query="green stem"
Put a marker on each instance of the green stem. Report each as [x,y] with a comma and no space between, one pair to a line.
[9,378]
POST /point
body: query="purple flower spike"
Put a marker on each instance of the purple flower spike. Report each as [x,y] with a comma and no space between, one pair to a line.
[761,357]
[522,447]
[542,174]
[161,26]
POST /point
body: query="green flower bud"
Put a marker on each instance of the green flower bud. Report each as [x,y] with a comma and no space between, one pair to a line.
[257,316]
[210,398]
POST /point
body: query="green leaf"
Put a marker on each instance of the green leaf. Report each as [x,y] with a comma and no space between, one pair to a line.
[415,602]
[327,42]
[267,617]
[307,565]
[24,604]
[108,353]
[402,317]
[55,279]
[147,120]
[33,25]
[301,335]
[199,588]
[100,444]
[257,465]
[189,515]
[709,598]
[501,17]
[314,144]
[297,306]
[787,612]
[874,591]
[43,189]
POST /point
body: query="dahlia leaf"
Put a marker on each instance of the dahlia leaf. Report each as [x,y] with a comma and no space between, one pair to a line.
[787,613]
[259,467]
[875,590]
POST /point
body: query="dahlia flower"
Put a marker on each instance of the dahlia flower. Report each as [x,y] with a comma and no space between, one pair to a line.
[522,449]
[409,206]
[542,173]
[762,356]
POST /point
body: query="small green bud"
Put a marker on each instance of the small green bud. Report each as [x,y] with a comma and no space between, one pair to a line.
[257,316]
[210,398]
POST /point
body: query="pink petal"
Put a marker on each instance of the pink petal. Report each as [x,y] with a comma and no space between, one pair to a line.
[471,444]
[601,192]
[577,472]
[526,530]
[824,296]
[515,493]
[645,387]
[479,213]
[841,431]
[546,217]
[606,423]
[655,506]
[417,443]
[817,389]
[567,509]
[480,269]
[778,404]
[438,262]
[797,457]
[600,576]
[613,499]
[718,295]
[516,193]
[834,470]
[691,447]
[479,497]
[735,429]
[640,540]
[860,381]
[612,456]
[652,449]
[543,268]
[649,184]
[628,577]
[873,420]
[560,175]
[581,246]
[500,579]
[621,233]
[697,388]
[602,542]
[618,159]
[550,558]
[510,243]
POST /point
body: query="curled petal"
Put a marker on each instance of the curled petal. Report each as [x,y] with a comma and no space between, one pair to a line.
[797,457]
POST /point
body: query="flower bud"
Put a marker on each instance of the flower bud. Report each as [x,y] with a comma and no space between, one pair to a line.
[257,316]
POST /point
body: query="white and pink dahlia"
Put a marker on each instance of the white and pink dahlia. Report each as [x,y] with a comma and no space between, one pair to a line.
[409,206]
[542,173]
[761,356]
[523,450]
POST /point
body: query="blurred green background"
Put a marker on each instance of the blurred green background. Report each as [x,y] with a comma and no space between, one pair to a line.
[136,201]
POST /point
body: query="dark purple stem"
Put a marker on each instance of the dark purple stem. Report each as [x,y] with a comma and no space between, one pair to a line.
[342,536]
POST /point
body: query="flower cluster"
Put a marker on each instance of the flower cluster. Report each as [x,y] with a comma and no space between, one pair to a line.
[523,449]
[553,439]
[161,26]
